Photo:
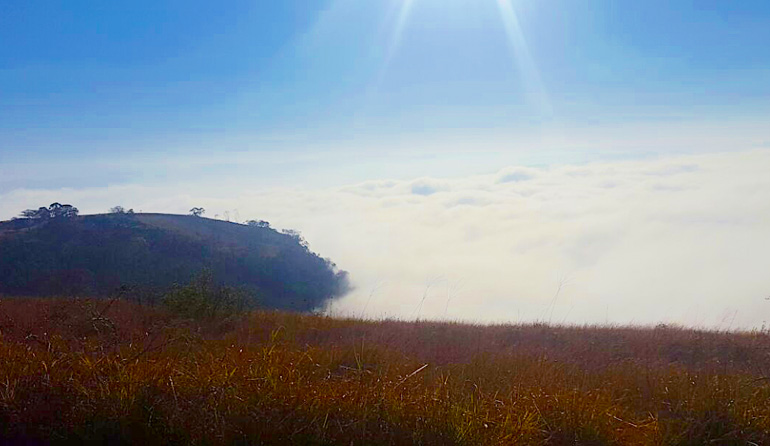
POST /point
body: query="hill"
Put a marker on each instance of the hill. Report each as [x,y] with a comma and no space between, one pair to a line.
[95,255]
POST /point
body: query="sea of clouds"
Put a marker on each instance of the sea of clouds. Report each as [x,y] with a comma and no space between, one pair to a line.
[681,239]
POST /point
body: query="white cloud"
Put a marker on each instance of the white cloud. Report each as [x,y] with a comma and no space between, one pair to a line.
[681,239]
[516,174]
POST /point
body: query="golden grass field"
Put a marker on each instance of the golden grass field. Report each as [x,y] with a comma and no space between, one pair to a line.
[114,372]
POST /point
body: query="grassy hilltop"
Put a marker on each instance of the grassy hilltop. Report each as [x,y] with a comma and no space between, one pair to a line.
[96,255]
[115,372]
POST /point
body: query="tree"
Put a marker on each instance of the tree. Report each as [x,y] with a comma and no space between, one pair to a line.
[258,223]
[55,210]
[40,213]
[197,212]
[296,236]
[117,210]
[65,211]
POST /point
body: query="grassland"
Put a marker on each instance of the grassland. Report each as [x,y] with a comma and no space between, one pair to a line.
[99,372]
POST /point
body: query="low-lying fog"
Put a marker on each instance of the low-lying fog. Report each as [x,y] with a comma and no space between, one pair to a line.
[682,239]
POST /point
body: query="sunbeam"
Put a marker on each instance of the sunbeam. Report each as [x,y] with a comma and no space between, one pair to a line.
[395,39]
[398,31]
[535,90]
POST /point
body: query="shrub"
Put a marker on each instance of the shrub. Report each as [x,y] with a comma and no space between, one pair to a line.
[202,298]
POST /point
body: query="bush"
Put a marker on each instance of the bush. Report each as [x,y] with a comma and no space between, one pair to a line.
[204,299]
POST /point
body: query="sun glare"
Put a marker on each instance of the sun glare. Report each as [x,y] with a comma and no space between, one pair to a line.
[536,93]
[533,84]
[398,31]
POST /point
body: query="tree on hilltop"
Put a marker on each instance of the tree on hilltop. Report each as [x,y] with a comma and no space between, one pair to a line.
[258,223]
[297,237]
[55,210]
[120,210]
[40,213]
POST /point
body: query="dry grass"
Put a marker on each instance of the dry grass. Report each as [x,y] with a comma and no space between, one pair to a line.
[99,372]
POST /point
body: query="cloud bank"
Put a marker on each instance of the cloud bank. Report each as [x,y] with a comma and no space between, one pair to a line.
[683,239]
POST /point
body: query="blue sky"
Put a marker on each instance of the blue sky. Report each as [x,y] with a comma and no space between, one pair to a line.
[169,78]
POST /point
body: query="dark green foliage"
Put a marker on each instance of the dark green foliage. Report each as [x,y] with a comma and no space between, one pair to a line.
[96,255]
[203,299]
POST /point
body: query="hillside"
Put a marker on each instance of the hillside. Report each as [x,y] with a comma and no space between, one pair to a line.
[95,372]
[96,255]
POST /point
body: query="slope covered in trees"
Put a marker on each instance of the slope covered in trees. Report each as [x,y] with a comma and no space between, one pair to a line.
[96,255]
